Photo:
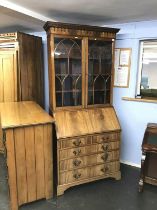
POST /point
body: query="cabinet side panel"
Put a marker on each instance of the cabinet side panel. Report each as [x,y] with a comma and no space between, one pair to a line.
[11,163]
[31,68]
[8,76]
[30,163]
[39,159]
[20,153]
[48,161]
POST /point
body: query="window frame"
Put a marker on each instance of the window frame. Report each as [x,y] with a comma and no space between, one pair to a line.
[140,67]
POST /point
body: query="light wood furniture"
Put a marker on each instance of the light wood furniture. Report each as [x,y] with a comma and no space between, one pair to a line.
[80,84]
[149,157]
[27,131]
[1,138]
[88,146]
[21,68]
[80,65]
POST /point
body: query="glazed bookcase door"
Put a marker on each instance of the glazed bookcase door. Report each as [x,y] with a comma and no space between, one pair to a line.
[99,74]
[68,71]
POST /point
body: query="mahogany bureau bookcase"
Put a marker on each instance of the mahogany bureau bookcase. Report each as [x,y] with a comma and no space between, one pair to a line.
[149,157]
[27,137]
[81,68]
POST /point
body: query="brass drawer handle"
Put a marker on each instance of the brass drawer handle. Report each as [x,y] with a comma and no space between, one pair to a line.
[105,147]
[105,157]
[76,162]
[105,138]
[105,169]
[76,152]
[77,143]
[77,176]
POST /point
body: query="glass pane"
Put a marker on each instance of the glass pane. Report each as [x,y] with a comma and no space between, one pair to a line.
[90,97]
[58,82]
[99,71]
[58,99]
[75,66]
[68,69]
[99,83]
[78,98]
[99,97]
[68,83]
[148,86]
[69,99]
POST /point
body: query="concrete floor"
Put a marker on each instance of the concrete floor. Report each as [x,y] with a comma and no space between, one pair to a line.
[101,195]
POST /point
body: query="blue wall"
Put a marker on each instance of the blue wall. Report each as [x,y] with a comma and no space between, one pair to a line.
[133,116]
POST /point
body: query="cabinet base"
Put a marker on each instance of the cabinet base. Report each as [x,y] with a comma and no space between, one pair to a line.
[62,188]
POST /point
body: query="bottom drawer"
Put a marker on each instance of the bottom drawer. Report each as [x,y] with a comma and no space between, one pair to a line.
[89,172]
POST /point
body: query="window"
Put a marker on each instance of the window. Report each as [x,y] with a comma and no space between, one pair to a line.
[147,78]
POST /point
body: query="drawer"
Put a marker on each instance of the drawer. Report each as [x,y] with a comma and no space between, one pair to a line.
[89,160]
[76,152]
[74,142]
[104,169]
[108,146]
[73,176]
[89,172]
[87,150]
[105,137]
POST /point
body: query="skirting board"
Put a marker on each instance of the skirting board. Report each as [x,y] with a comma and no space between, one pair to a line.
[130,164]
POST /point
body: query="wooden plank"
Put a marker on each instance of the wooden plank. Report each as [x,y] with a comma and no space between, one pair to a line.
[23,58]
[39,151]
[39,73]
[48,161]
[52,95]
[31,68]
[30,163]
[1,80]
[21,165]
[8,75]
[1,138]
[11,163]
[89,121]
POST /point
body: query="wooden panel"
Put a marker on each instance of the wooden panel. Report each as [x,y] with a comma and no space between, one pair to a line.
[11,163]
[86,150]
[103,119]
[18,114]
[48,161]
[39,152]
[87,121]
[8,76]
[1,138]
[31,68]
[30,163]
[21,165]
[84,161]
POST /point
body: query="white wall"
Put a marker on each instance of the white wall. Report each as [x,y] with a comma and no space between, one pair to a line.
[133,116]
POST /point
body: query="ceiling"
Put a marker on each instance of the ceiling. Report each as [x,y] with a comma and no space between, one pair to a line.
[30,15]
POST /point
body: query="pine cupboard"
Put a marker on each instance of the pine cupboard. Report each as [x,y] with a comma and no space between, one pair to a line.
[27,138]
[80,88]
[21,68]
